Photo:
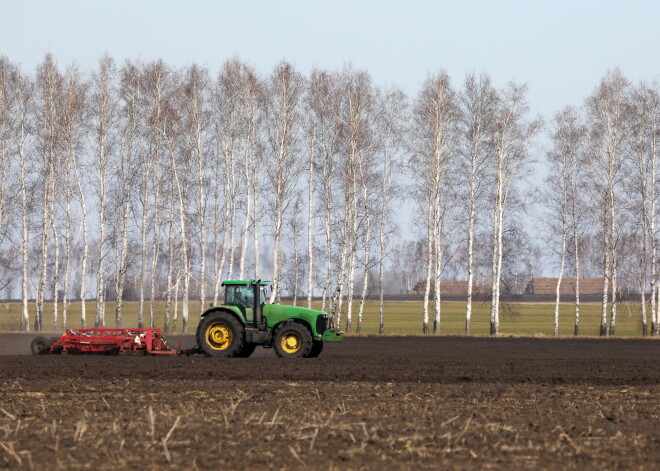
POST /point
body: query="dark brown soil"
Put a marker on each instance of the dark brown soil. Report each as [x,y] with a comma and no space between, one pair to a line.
[367,403]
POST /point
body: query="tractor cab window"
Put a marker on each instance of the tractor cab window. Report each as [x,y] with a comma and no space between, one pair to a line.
[242,297]
[264,294]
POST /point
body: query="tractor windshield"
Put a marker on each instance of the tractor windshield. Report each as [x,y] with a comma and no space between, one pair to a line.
[242,297]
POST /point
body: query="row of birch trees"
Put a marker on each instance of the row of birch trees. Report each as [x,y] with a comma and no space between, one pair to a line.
[603,189]
[148,182]
[143,181]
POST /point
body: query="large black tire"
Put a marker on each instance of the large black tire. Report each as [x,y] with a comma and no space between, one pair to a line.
[317,349]
[220,334]
[40,346]
[293,340]
[248,349]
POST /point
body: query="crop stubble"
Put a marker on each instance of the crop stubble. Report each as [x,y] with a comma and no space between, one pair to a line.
[367,403]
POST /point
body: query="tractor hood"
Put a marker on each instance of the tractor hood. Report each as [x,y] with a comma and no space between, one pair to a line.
[291,311]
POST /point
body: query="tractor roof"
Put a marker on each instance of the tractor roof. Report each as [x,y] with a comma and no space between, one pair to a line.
[243,282]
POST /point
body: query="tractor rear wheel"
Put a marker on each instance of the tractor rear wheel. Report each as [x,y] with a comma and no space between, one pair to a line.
[317,348]
[220,335]
[248,349]
[40,346]
[293,341]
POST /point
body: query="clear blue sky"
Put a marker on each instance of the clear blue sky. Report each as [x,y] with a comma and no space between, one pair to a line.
[560,49]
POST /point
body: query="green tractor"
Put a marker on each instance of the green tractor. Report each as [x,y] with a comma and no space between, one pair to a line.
[246,321]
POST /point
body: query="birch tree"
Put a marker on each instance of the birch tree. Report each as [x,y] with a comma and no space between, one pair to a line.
[156,77]
[392,124]
[357,144]
[226,131]
[433,136]
[324,101]
[103,105]
[19,105]
[477,103]
[511,139]
[285,89]
[606,113]
[49,86]
[311,130]
[251,104]
[171,130]
[7,99]
[73,129]
[131,92]
[196,122]
[567,137]
[643,133]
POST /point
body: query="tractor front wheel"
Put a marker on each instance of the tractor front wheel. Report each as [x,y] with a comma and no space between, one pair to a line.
[293,341]
[220,335]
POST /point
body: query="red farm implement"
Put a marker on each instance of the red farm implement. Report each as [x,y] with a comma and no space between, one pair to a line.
[109,341]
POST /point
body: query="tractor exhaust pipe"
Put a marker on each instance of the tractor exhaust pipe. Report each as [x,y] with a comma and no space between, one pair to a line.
[256,295]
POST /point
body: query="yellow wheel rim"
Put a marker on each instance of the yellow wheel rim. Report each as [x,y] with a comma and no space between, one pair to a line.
[291,342]
[219,336]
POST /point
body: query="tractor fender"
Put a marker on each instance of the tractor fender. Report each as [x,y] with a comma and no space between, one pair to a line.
[238,317]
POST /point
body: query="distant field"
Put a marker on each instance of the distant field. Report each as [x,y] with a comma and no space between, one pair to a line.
[401,317]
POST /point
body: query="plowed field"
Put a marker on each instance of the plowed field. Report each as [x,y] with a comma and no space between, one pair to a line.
[367,403]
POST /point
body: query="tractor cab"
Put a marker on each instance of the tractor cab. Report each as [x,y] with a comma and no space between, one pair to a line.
[248,296]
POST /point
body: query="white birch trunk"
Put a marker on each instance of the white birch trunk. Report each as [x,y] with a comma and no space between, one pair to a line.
[83,263]
[184,242]
[613,257]
[576,256]
[328,245]
[246,227]
[201,165]
[381,239]
[170,266]
[654,242]
[255,230]
[365,278]
[652,236]
[143,243]
[275,295]
[216,230]
[155,243]
[121,269]
[25,233]
[56,268]
[226,218]
[100,279]
[559,279]
[606,277]
[310,220]
[495,287]
[337,297]
[351,261]
[232,221]
[175,316]
[44,253]
[470,261]
[437,243]
[429,268]
[25,319]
